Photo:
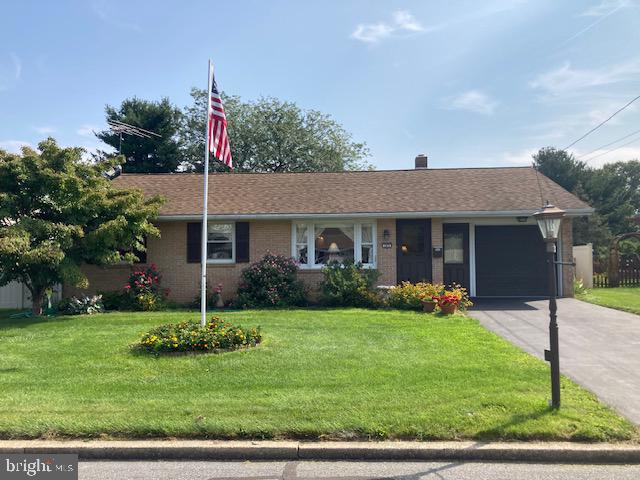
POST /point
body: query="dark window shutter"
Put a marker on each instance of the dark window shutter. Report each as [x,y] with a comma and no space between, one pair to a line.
[242,242]
[194,237]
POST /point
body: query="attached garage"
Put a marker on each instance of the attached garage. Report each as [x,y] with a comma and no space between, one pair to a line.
[510,261]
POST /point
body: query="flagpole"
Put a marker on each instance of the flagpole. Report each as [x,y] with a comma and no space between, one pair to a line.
[205,201]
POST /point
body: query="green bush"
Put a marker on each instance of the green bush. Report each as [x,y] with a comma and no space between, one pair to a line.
[117,300]
[216,336]
[347,284]
[145,290]
[409,296]
[82,306]
[271,282]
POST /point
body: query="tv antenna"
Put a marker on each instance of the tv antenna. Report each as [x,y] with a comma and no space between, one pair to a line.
[122,128]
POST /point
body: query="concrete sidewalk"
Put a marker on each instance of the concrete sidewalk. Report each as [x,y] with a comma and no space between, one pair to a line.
[559,452]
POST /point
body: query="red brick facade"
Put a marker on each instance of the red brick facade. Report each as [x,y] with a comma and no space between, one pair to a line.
[169,253]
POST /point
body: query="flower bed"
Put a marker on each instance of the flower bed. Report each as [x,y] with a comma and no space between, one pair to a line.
[215,336]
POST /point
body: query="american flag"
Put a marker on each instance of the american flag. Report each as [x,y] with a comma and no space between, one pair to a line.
[218,139]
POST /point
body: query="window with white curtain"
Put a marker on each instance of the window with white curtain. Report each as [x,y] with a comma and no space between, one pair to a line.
[220,242]
[316,244]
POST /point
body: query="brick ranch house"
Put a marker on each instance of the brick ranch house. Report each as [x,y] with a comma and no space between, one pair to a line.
[471,226]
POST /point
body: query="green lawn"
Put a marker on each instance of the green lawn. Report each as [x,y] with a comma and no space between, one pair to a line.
[329,374]
[627,299]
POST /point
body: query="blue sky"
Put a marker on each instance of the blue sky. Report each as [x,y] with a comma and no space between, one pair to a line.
[469,83]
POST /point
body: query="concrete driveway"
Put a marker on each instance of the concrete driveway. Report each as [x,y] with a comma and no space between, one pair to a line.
[599,347]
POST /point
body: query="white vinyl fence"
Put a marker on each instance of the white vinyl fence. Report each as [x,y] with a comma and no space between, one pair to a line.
[16,296]
[583,256]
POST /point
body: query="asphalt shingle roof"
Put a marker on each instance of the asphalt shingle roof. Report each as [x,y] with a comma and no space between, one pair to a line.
[382,191]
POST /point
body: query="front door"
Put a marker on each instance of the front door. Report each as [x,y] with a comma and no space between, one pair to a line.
[456,254]
[413,252]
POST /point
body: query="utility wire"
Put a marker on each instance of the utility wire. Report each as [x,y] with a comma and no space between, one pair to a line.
[600,124]
[607,145]
[613,149]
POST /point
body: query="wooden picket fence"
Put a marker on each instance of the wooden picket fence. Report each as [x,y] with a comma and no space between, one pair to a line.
[629,272]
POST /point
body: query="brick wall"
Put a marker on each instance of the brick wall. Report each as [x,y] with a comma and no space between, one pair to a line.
[568,271]
[387,256]
[437,264]
[169,253]
[183,279]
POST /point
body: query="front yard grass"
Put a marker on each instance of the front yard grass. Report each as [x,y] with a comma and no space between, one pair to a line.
[621,298]
[319,374]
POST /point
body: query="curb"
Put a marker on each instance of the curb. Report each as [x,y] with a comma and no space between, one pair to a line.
[334,451]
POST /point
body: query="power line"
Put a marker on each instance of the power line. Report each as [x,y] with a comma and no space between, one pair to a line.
[600,124]
[607,144]
[613,149]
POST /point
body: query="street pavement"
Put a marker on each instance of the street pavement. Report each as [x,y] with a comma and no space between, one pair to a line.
[201,470]
[599,346]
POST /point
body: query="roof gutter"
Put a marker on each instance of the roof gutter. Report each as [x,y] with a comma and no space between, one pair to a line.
[578,212]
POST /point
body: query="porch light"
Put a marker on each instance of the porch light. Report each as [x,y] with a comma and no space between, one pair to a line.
[549,220]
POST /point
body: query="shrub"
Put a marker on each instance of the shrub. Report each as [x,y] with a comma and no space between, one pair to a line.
[216,336]
[271,282]
[347,284]
[409,296]
[117,300]
[83,305]
[144,289]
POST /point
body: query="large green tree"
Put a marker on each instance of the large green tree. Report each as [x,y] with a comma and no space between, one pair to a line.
[561,167]
[271,135]
[613,190]
[58,212]
[152,154]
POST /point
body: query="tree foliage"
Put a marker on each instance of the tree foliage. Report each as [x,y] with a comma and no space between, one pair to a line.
[613,190]
[271,135]
[58,212]
[146,155]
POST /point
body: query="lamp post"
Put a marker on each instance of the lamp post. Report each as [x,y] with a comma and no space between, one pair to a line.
[549,220]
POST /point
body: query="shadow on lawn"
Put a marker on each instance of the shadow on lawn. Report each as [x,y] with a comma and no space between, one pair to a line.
[494,433]
[7,323]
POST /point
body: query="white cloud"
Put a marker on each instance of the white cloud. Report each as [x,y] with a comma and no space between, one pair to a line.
[17,65]
[10,73]
[601,12]
[371,33]
[519,158]
[568,80]
[14,146]
[605,8]
[472,101]
[599,158]
[44,130]
[107,12]
[403,22]
[609,155]
[87,130]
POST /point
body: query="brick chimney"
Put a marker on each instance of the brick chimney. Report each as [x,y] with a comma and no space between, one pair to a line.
[421,162]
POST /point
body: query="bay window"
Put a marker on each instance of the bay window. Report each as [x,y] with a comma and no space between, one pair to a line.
[316,244]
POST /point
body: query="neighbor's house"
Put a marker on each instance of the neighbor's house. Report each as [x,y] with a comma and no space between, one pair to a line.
[471,226]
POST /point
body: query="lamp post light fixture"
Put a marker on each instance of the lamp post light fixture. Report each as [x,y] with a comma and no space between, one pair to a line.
[549,220]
